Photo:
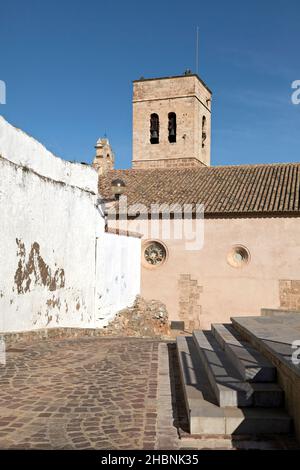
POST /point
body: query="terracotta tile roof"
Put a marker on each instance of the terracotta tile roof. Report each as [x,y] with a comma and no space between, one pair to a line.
[224,190]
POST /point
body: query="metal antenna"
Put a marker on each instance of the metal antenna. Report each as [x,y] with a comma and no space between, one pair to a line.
[197,50]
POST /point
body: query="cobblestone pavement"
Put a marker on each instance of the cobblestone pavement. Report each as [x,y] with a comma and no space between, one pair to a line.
[101,393]
[79,394]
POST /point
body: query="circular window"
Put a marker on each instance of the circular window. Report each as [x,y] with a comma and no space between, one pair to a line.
[154,253]
[238,257]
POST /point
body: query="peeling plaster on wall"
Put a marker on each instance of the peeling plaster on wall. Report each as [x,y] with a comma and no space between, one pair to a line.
[53,311]
[53,302]
[35,271]
[49,224]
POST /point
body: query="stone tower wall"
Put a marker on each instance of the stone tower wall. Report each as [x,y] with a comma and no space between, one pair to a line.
[190,99]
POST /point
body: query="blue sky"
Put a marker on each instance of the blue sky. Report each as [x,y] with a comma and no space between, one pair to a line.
[68,67]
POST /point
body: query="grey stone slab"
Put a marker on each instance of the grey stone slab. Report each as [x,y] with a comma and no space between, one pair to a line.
[251,364]
[193,374]
[286,325]
[257,421]
[229,387]
[205,421]
[273,337]
[275,312]
[268,395]
[205,417]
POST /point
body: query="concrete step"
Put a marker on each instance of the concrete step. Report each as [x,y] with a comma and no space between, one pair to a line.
[229,387]
[250,363]
[268,395]
[257,421]
[199,399]
[206,418]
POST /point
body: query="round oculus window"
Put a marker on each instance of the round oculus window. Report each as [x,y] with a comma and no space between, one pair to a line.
[238,257]
[154,253]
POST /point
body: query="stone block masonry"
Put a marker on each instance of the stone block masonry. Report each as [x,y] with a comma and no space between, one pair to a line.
[189,301]
[167,163]
[186,97]
[289,294]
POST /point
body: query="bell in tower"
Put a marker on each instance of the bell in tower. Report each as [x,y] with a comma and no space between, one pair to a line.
[154,129]
[172,127]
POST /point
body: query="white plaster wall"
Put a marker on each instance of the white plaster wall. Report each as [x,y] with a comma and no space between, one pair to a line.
[118,275]
[49,222]
[18,147]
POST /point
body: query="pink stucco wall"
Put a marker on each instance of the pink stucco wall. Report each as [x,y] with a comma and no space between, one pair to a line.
[225,291]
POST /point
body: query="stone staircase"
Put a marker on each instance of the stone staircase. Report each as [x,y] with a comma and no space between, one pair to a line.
[229,387]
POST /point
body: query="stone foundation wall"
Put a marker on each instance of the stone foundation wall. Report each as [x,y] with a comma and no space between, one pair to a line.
[145,319]
[44,334]
[290,383]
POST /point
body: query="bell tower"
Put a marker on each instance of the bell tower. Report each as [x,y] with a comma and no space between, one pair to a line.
[105,158]
[171,122]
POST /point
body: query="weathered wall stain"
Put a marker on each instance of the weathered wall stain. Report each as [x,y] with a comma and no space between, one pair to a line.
[53,303]
[34,271]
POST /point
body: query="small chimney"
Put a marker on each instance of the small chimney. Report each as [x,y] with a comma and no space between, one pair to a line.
[105,158]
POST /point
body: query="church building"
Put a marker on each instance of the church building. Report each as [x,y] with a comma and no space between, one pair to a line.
[249,257]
